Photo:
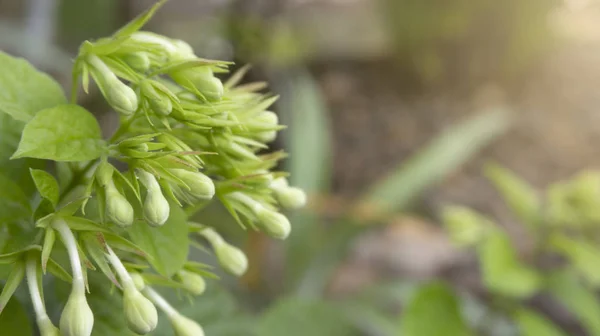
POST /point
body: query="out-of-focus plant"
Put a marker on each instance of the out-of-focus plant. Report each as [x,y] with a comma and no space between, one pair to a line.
[184,138]
[468,41]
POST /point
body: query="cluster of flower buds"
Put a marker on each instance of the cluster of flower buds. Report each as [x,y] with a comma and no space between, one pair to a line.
[184,139]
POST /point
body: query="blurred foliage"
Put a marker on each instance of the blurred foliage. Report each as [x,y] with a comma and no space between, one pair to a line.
[449,41]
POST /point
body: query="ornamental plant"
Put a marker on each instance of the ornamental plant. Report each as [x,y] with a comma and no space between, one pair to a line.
[121,206]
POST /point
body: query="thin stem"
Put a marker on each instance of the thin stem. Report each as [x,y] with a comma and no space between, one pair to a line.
[34,290]
[126,279]
[160,302]
[69,240]
[212,236]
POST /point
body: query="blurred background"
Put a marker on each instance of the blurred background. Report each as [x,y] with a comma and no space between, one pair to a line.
[394,108]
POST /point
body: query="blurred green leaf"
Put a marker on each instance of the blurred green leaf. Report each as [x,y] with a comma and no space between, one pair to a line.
[503,272]
[441,157]
[46,185]
[433,311]
[297,317]
[533,324]
[517,193]
[167,245]
[583,255]
[466,226]
[580,300]
[14,204]
[14,320]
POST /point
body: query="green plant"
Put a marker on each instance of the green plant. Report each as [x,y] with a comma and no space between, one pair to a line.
[184,138]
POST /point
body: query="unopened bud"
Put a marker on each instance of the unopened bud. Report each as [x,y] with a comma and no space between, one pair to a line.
[269,118]
[288,197]
[77,318]
[201,78]
[275,224]
[184,50]
[138,61]
[231,258]
[121,97]
[140,313]
[156,206]
[184,326]
[138,280]
[201,186]
[159,103]
[118,208]
[192,282]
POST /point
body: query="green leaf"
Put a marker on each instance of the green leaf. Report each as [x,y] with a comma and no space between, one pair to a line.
[583,255]
[580,300]
[62,133]
[503,272]
[46,184]
[466,226]
[83,224]
[13,202]
[96,250]
[14,320]
[49,240]
[297,317]
[533,324]
[166,245]
[518,194]
[13,281]
[433,311]
[24,90]
[441,157]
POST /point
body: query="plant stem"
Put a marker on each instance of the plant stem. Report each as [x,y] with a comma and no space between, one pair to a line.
[34,290]
[160,302]
[126,279]
[69,240]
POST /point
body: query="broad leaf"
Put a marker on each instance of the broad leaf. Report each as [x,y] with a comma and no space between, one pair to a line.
[24,90]
[46,184]
[433,311]
[166,245]
[14,204]
[503,272]
[297,317]
[14,320]
[532,324]
[583,255]
[62,133]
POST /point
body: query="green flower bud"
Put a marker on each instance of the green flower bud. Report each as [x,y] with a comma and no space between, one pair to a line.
[231,258]
[271,119]
[275,224]
[77,318]
[159,103]
[201,78]
[184,50]
[192,282]
[201,186]
[47,328]
[118,208]
[138,280]
[291,197]
[156,206]
[184,326]
[140,313]
[138,61]
[158,40]
[121,97]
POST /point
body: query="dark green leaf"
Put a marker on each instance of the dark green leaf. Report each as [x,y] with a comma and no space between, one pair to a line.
[62,133]
[433,311]
[46,184]
[14,320]
[166,245]
[24,90]
[13,202]
[13,281]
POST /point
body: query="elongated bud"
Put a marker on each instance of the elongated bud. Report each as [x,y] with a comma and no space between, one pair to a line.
[201,186]
[159,103]
[118,95]
[158,40]
[140,313]
[192,282]
[118,208]
[77,318]
[156,206]
[231,258]
[269,118]
[138,61]
[201,78]
[138,280]
[288,197]
[275,224]
[184,326]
